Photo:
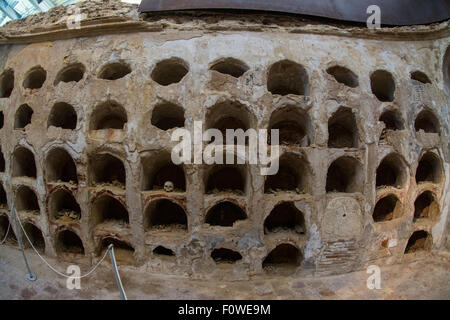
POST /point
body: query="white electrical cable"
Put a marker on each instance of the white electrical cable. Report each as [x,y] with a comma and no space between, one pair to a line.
[6,234]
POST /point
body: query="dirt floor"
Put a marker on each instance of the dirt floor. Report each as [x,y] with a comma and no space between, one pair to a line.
[416,280]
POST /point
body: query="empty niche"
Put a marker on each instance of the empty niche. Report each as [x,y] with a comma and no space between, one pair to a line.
[342,129]
[429,168]
[164,214]
[284,256]
[69,242]
[3,199]
[427,121]
[446,70]
[293,126]
[420,76]
[226,178]
[107,169]
[71,73]
[109,210]
[2,161]
[35,78]
[419,241]
[224,214]
[4,224]
[224,255]
[170,71]
[383,85]
[62,205]
[230,66]
[285,217]
[36,237]
[114,70]
[62,115]
[387,208]
[108,115]
[163,251]
[293,175]
[123,252]
[426,206]
[23,164]
[23,116]
[26,200]
[167,116]
[391,171]
[345,175]
[287,77]
[60,167]
[344,75]
[392,120]
[6,83]
[159,169]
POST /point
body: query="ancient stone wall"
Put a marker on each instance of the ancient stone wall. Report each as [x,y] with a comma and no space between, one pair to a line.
[86,124]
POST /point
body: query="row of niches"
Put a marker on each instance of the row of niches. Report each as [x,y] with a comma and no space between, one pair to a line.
[294,124]
[283,77]
[158,172]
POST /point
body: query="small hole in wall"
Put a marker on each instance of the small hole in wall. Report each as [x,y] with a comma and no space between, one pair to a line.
[114,71]
[391,172]
[36,237]
[23,116]
[419,241]
[107,169]
[224,255]
[225,178]
[23,164]
[425,206]
[342,129]
[383,85]
[35,78]
[3,199]
[344,175]
[287,77]
[170,71]
[164,214]
[429,168]
[344,76]
[285,217]
[26,200]
[6,83]
[62,205]
[123,252]
[225,214]
[284,256]
[60,167]
[420,76]
[69,242]
[2,119]
[108,115]
[387,208]
[106,209]
[392,120]
[163,251]
[2,162]
[62,115]
[446,70]
[4,223]
[70,73]
[293,126]
[230,66]
[167,116]
[427,121]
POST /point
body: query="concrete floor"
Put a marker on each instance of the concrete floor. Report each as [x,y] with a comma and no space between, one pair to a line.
[428,279]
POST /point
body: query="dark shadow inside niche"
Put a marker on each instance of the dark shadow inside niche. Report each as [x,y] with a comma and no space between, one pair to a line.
[446,70]
[36,237]
[26,200]
[163,251]
[287,77]
[69,242]
[429,168]
[3,198]
[285,217]
[226,178]
[170,71]
[159,169]
[167,116]
[71,73]
[23,164]
[4,223]
[2,119]
[391,172]
[123,252]
[342,129]
[62,205]
[427,121]
[293,175]
[224,214]
[230,66]
[387,208]
[108,115]
[345,175]
[62,115]
[6,83]
[23,116]
[284,257]
[35,78]
[392,120]
[2,161]
[114,70]
[426,206]
[106,209]
[224,255]
[293,125]
[107,169]
[383,85]
[419,241]
[420,76]
[60,167]
[344,75]
[164,214]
